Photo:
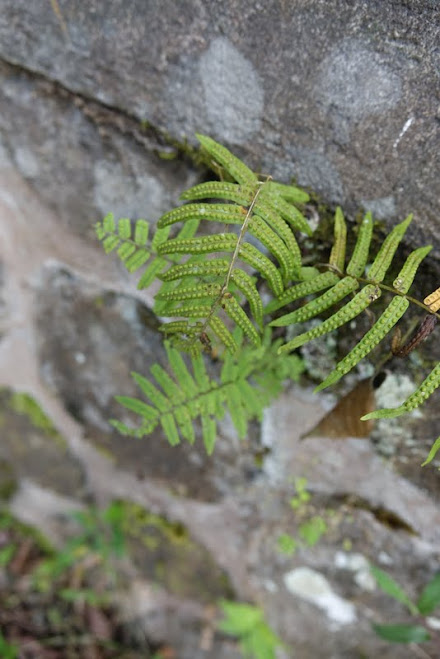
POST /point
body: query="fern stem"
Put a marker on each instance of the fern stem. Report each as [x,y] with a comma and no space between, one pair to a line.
[224,288]
[384,287]
[242,233]
[394,291]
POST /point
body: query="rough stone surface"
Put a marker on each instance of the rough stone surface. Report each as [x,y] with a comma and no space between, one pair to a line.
[62,146]
[342,96]
[32,448]
[89,341]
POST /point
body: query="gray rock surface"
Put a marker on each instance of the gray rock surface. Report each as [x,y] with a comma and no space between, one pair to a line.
[84,160]
[89,341]
[344,97]
[341,95]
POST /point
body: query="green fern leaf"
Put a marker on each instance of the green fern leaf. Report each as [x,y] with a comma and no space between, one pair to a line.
[251,255]
[340,290]
[198,291]
[289,192]
[108,223]
[125,251]
[428,386]
[182,327]
[230,214]
[194,310]
[171,389]
[406,276]
[226,159]
[209,432]
[220,330]
[337,255]
[245,284]
[383,260]
[287,211]
[274,220]
[222,242]
[226,242]
[236,313]
[243,196]
[385,323]
[141,231]
[222,213]
[238,415]
[239,194]
[273,243]
[151,273]
[150,391]
[139,258]
[180,370]
[138,407]
[433,452]
[170,429]
[359,303]
[217,267]
[110,243]
[369,341]
[124,228]
[359,258]
[185,424]
[322,281]
[200,375]
[251,398]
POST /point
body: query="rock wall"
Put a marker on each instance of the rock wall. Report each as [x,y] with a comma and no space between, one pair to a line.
[97,100]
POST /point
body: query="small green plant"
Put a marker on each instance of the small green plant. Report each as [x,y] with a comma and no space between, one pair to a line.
[310,530]
[302,496]
[427,603]
[99,541]
[246,622]
[7,650]
[222,292]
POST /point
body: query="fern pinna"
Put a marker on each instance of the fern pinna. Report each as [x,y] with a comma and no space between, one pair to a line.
[211,283]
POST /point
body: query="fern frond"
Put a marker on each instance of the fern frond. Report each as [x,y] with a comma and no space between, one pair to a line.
[341,289]
[289,192]
[322,280]
[209,295]
[239,194]
[389,246]
[369,341]
[426,389]
[214,268]
[185,392]
[405,278]
[288,212]
[222,332]
[359,259]
[357,304]
[199,291]
[337,255]
[227,242]
[132,244]
[385,322]
[263,209]
[233,165]
[433,452]
[236,313]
